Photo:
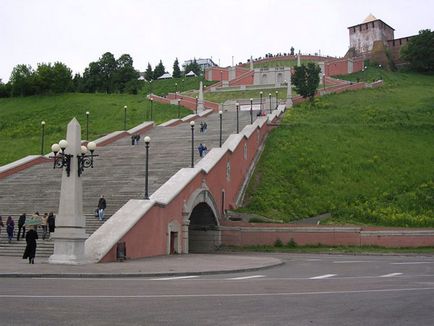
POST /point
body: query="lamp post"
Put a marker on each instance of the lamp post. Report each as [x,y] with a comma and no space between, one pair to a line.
[125,117]
[221,123]
[182,85]
[277,100]
[192,143]
[251,110]
[152,102]
[87,125]
[197,103]
[221,77]
[260,103]
[238,118]
[147,141]
[176,90]
[42,136]
[269,98]
[179,100]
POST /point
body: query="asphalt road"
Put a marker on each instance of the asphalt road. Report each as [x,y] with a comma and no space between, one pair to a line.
[306,290]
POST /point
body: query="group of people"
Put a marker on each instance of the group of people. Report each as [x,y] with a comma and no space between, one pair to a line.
[135,139]
[202,150]
[47,223]
[203,127]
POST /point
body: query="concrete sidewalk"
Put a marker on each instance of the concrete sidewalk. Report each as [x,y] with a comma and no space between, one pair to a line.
[176,265]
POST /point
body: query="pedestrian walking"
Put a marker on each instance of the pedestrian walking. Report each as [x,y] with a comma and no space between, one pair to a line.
[51,223]
[201,127]
[30,251]
[44,226]
[21,226]
[1,225]
[102,204]
[10,225]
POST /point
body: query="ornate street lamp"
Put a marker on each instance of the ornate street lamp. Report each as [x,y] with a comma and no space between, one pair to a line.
[147,142]
[192,143]
[64,160]
[260,105]
[42,136]
[221,124]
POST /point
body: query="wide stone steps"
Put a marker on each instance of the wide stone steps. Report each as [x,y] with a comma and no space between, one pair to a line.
[118,173]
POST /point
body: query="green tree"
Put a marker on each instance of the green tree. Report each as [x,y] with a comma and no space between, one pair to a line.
[92,78]
[193,66]
[107,64]
[419,51]
[149,74]
[159,70]
[22,80]
[306,79]
[176,69]
[125,73]
[55,78]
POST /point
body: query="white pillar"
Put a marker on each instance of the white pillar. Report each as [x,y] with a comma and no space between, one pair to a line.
[70,232]
[289,93]
[298,59]
[200,106]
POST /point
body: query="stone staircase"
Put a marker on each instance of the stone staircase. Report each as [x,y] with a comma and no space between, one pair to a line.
[118,173]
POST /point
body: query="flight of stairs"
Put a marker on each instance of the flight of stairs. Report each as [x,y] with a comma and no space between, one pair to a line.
[118,174]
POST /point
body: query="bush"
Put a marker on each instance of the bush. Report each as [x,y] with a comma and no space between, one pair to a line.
[278,243]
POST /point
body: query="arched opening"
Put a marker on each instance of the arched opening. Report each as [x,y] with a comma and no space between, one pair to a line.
[203,230]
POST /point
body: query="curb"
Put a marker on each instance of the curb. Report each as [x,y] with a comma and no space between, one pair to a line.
[134,275]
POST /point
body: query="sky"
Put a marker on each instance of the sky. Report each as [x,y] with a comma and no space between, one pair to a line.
[77,32]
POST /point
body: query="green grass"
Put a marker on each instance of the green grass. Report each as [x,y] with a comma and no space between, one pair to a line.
[367,157]
[277,63]
[20,119]
[162,87]
[331,249]
[220,97]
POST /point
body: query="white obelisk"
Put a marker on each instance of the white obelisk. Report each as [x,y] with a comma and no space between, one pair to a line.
[70,232]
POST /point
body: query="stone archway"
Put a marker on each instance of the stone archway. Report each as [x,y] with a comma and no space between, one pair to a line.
[201,232]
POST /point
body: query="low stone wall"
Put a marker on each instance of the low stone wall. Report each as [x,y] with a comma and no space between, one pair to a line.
[267,234]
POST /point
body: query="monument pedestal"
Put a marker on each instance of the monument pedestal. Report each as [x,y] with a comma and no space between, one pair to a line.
[69,247]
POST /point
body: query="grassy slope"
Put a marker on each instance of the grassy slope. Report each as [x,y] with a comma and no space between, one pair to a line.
[367,157]
[164,86]
[20,118]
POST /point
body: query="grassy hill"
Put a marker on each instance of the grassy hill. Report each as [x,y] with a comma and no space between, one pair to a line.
[367,157]
[162,87]
[20,119]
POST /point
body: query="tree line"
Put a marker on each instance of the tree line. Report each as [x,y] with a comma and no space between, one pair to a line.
[106,75]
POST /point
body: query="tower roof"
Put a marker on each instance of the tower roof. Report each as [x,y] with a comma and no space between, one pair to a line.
[370,18]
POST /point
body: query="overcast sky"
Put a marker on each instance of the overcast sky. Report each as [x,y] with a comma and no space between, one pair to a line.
[77,32]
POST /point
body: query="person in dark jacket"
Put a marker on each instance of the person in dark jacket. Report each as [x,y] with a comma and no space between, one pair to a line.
[10,225]
[30,251]
[51,223]
[102,204]
[21,226]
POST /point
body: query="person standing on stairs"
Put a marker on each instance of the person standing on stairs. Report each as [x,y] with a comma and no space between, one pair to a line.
[102,204]
[1,224]
[51,224]
[10,225]
[21,226]
[30,251]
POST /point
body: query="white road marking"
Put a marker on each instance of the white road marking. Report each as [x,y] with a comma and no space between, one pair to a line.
[321,276]
[151,296]
[351,261]
[391,275]
[413,263]
[245,277]
[173,278]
